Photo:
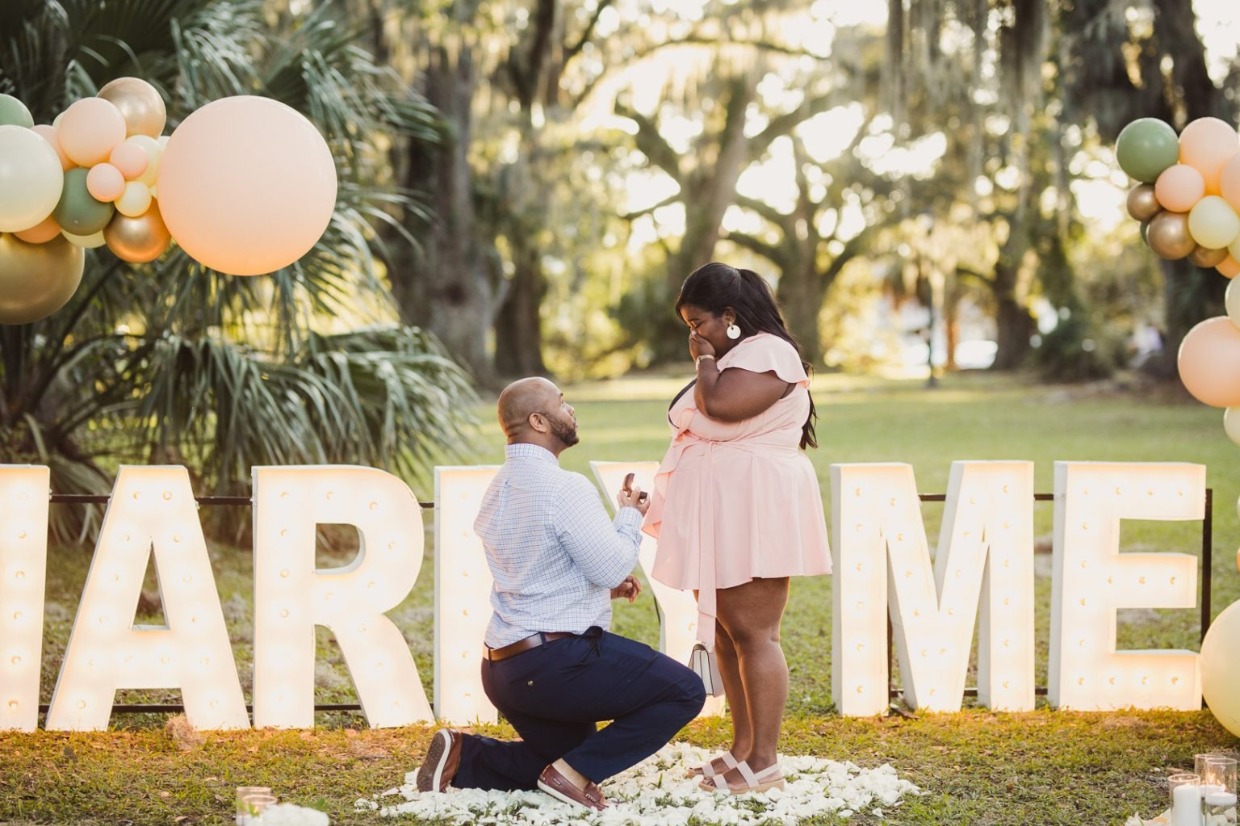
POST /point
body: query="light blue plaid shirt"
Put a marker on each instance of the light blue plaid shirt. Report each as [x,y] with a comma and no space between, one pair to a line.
[553,551]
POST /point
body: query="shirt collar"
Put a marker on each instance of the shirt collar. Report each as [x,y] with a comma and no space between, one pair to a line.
[525,450]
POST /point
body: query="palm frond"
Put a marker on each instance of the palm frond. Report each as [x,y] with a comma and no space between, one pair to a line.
[385,396]
[172,362]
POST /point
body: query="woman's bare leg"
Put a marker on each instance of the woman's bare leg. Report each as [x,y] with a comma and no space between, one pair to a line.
[749,616]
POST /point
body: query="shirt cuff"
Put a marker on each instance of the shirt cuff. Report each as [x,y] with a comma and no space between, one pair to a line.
[629,519]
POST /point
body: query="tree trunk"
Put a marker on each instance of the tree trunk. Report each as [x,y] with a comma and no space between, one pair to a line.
[448,288]
[1014,329]
[710,190]
[800,294]
[518,328]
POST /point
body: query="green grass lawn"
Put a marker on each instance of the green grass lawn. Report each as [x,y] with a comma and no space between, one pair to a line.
[975,767]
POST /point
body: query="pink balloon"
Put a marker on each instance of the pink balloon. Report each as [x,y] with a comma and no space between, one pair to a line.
[1207,144]
[105,182]
[246,185]
[49,134]
[1229,182]
[1209,362]
[89,129]
[1180,187]
[130,158]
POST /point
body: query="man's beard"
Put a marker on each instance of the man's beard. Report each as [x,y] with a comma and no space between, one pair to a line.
[566,432]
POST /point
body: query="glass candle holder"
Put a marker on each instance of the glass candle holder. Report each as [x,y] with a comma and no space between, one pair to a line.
[1220,773]
[1185,799]
[1219,809]
[254,806]
[244,793]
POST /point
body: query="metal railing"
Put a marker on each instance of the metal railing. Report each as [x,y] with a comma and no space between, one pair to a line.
[893,692]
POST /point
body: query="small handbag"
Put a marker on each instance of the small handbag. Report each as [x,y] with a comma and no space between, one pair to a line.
[705,665]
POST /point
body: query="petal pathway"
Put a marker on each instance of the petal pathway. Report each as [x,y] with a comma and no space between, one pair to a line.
[657,793]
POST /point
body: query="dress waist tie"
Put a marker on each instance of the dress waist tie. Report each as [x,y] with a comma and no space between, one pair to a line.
[707,602]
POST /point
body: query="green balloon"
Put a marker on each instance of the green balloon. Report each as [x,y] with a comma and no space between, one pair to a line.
[14,113]
[1146,147]
[78,213]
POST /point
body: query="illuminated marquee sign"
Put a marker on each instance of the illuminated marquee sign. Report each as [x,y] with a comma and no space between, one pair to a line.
[981,574]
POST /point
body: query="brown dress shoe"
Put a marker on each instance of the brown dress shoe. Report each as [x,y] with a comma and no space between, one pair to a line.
[561,788]
[443,758]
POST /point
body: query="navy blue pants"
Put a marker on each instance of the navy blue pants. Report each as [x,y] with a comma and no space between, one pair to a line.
[554,696]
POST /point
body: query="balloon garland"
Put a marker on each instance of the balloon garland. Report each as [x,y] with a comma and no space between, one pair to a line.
[244,185]
[1187,199]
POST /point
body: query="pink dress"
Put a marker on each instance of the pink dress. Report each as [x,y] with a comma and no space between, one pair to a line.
[736,501]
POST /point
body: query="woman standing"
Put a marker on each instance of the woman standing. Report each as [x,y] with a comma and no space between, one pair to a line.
[736,506]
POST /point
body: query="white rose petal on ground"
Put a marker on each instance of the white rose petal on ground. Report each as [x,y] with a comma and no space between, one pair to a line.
[656,792]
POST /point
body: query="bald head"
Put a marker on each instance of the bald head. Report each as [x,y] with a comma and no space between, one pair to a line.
[521,399]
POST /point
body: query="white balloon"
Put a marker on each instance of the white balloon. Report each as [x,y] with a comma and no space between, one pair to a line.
[135,200]
[1231,426]
[90,242]
[1232,301]
[1220,668]
[31,178]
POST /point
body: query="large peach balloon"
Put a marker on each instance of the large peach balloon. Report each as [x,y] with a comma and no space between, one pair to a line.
[246,185]
[1220,668]
[139,103]
[1209,362]
[36,280]
[1229,266]
[31,179]
[1208,144]
[89,129]
[1180,187]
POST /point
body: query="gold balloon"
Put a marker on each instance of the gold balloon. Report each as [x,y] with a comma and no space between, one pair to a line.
[1169,237]
[1206,257]
[36,280]
[139,103]
[1142,202]
[137,240]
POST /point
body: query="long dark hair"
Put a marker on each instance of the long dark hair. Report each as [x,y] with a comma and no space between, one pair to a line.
[715,287]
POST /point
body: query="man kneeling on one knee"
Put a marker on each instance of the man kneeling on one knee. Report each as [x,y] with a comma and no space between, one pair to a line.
[550,665]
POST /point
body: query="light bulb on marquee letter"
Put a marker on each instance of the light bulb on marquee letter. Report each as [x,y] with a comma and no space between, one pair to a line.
[291,597]
[677,610]
[880,552]
[24,493]
[152,512]
[1092,579]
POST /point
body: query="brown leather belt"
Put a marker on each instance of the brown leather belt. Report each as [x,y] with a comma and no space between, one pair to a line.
[532,641]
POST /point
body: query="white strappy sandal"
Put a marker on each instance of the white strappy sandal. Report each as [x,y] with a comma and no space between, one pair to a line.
[769,778]
[707,769]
